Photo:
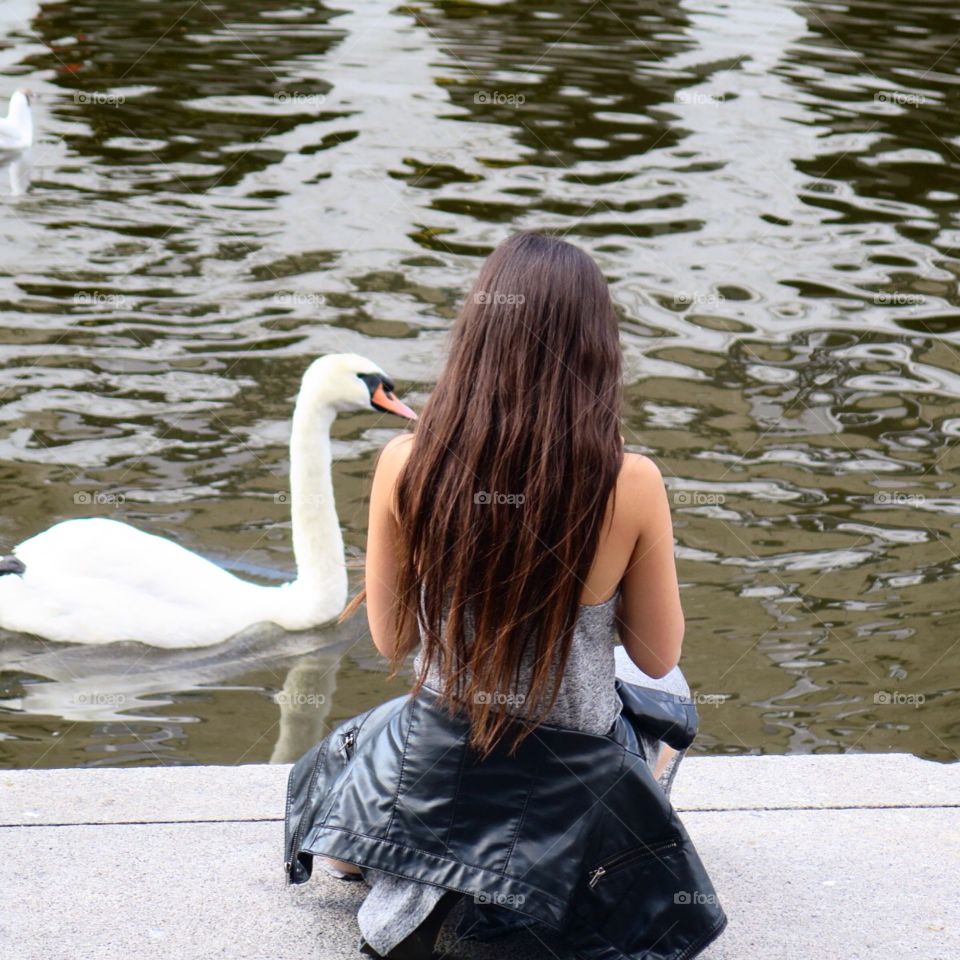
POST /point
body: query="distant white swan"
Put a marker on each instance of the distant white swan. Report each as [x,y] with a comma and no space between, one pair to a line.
[99,580]
[16,128]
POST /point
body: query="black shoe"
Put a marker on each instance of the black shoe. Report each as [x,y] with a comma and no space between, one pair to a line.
[419,945]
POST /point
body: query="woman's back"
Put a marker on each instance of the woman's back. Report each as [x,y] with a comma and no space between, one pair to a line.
[586,699]
[630,594]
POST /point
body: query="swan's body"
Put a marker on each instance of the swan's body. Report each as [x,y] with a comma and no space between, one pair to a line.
[16,128]
[99,580]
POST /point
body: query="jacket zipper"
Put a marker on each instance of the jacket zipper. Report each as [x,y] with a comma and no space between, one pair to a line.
[321,754]
[347,742]
[628,857]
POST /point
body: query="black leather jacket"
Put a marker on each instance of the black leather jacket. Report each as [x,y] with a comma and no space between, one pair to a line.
[573,830]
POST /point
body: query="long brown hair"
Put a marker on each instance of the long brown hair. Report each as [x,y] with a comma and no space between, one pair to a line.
[502,499]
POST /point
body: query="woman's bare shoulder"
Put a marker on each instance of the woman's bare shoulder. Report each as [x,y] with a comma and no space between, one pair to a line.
[638,470]
[391,460]
[639,486]
[397,449]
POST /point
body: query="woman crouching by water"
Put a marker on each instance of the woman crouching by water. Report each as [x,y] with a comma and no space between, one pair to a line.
[512,543]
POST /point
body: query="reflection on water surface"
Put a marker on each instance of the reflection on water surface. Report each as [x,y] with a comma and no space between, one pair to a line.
[221,191]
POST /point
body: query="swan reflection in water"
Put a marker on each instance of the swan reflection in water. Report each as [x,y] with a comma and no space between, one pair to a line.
[15,173]
[125,683]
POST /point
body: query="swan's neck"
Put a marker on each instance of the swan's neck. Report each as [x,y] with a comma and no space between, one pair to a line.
[317,540]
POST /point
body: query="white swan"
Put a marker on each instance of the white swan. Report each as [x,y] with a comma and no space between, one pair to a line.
[16,128]
[99,581]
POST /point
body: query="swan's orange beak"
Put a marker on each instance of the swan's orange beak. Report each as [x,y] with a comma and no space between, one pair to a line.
[387,401]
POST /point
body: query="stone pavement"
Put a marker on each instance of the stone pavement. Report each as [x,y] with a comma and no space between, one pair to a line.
[813,857]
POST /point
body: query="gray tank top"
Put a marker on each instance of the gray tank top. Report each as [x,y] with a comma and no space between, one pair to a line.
[587,699]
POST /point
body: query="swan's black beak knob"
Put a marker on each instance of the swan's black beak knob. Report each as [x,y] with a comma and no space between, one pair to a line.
[383,398]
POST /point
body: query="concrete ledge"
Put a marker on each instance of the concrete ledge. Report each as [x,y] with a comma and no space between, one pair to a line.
[813,857]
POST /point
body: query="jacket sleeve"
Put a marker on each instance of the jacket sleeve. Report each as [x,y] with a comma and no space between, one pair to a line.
[657,713]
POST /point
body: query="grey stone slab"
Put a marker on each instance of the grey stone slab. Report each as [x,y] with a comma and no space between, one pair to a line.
[823,884]
[143,794]
[256,791]
[821,780]
[814,884]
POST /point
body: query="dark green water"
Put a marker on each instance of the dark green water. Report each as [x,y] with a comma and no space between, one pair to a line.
[222,191]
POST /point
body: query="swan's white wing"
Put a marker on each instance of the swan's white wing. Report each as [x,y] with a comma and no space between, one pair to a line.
[117,553]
